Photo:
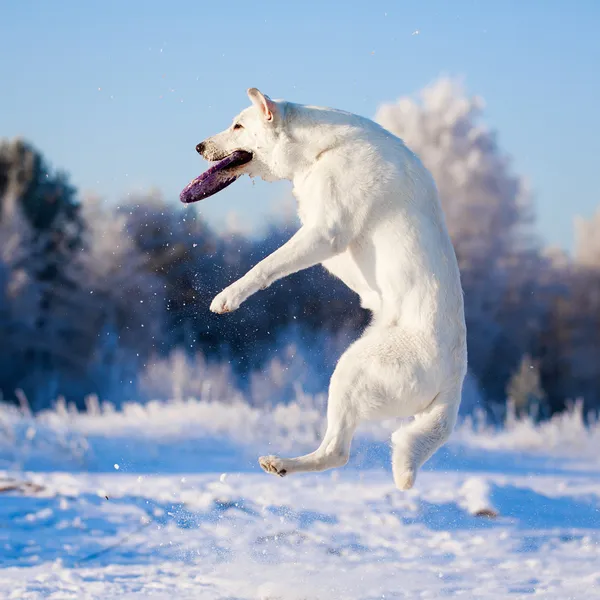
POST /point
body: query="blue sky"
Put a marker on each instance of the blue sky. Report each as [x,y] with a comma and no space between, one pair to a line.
[118,93]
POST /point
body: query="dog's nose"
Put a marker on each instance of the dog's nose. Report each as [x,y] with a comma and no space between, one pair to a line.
[200,148]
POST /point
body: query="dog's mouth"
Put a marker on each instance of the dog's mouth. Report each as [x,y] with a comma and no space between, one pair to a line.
[216,178]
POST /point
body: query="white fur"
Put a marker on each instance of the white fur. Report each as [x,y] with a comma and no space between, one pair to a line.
[370,214]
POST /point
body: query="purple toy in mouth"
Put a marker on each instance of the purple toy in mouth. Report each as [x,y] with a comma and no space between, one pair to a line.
[218,177]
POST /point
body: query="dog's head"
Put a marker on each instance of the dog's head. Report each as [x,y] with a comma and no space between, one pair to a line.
[258,130]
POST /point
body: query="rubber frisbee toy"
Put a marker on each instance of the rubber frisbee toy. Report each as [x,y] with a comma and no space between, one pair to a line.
[217,178]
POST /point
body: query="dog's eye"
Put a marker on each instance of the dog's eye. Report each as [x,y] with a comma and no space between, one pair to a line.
[238,126]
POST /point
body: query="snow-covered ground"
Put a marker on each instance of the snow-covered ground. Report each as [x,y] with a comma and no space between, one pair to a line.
[166,501]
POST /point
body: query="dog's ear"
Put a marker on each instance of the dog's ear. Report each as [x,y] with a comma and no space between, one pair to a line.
[264,104]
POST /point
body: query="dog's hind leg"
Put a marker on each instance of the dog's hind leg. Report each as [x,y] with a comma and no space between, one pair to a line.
[333,451]
[349,381]
[416,442]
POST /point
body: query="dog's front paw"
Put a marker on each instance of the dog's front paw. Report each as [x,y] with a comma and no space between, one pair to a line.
[272,464]
[227,301]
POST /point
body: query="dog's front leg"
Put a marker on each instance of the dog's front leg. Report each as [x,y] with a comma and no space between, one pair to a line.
[307,247]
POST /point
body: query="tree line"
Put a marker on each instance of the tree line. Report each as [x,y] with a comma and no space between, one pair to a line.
[94,298]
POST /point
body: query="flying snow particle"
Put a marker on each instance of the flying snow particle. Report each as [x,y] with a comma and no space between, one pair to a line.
[116,466]
[223,477]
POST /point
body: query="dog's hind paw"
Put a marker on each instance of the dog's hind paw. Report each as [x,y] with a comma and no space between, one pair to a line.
[272,464]
[405,480]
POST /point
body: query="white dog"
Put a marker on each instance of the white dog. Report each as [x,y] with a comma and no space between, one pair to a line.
[371,216]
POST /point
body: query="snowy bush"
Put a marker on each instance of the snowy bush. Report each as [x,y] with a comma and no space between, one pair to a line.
[180,376]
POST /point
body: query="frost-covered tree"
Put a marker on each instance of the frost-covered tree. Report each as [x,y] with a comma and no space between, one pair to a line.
[46,198]
[18,292]
[486,206]
[47,202]
[488,215]
[568,346]
[121,305]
